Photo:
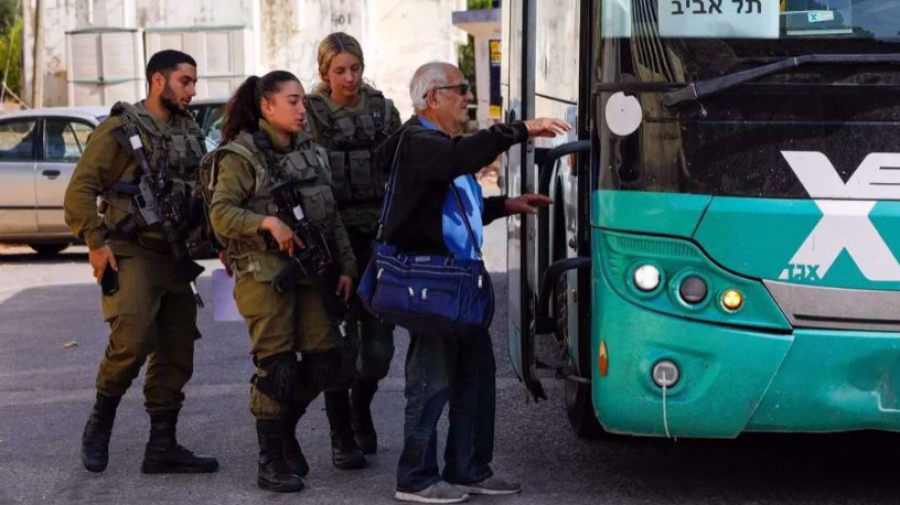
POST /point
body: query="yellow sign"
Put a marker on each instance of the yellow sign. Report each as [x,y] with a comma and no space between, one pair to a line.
[494,111]
[495,52]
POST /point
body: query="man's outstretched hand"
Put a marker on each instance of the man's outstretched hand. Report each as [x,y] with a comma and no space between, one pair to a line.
[526,204]
[546,127]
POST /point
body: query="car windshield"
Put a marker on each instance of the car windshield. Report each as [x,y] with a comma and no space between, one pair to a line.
[215,118]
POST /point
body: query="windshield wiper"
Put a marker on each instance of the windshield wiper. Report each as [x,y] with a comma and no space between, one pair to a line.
[700,89]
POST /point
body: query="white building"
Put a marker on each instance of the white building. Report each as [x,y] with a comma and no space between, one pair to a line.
[95,50]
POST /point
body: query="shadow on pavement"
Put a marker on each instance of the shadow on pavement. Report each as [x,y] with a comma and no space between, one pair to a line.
[24,256]
[835,468]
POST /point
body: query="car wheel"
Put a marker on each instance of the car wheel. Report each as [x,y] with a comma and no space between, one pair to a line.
[48,250]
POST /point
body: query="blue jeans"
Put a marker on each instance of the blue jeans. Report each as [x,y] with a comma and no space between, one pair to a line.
[462,372]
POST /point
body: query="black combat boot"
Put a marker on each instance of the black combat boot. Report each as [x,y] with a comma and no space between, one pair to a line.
[296,461]
[97,431]
[361,401]
[273,473]
[345,454]
[164,455]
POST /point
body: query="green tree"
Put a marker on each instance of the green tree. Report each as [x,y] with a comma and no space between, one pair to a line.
[11,55]
[9,14]
[479,4]
[467,60]
[11,43]
[467,52]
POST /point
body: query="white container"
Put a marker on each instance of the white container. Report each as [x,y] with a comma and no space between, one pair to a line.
[224,54]
[105,14]
[105,65]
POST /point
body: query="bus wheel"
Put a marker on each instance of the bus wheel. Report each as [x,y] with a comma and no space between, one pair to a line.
[579,406]
[578,396]
[562,310]
[580,409]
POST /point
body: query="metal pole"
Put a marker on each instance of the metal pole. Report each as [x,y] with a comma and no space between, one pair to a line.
[37,90]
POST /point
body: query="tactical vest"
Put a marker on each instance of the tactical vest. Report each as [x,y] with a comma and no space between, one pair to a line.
[351,138]
[177,148]
[306,166]
[180,143]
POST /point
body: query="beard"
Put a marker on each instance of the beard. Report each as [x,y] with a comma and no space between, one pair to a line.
[168,100]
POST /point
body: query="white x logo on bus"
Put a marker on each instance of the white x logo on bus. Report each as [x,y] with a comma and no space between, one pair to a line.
[845,223]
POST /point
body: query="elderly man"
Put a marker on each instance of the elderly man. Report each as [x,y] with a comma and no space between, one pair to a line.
[426,219]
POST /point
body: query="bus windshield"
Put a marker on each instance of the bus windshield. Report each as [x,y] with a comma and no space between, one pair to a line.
[752,19]
[730,139]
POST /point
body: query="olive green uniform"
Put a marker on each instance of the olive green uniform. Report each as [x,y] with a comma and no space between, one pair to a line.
[153,314]
[296,320]
[350,135]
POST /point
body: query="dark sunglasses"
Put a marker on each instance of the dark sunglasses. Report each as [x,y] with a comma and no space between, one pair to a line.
[463,88]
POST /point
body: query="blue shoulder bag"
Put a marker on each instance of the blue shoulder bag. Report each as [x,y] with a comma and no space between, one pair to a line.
[432,295]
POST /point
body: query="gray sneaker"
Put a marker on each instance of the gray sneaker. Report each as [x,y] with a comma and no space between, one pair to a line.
[492,486]
[440,492]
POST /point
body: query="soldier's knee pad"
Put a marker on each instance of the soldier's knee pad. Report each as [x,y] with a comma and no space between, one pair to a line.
[325,371]
[278,376]
[374,366]
[375,358]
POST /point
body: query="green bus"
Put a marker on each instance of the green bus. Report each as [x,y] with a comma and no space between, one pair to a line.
[722,254]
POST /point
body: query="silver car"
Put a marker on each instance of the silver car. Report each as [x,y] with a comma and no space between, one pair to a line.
[38,152]
[209,114]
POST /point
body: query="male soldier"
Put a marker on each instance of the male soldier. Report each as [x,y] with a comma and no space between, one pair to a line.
[152,313]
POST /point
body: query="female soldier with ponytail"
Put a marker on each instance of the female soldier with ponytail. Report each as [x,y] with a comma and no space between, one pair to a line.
[350,119]
[265,153]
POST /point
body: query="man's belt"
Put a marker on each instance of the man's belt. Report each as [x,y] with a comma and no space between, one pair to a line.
[152,244]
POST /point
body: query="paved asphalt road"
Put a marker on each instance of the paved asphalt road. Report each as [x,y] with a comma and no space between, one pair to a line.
[46,391]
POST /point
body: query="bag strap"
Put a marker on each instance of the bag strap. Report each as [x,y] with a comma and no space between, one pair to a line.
[389,199]
[465,218]
[389,192]
[243,152]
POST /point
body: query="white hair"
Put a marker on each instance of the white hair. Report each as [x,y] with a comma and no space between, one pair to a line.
[426,78]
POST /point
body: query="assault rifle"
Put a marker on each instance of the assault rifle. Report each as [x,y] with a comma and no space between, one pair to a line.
[157,203]
[315,261]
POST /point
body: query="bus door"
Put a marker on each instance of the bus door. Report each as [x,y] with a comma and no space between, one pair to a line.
[517,79]
[543,78]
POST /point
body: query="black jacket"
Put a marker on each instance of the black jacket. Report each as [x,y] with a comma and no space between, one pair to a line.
[429,161]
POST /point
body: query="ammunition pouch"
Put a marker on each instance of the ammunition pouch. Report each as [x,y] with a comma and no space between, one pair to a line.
[181,144]
[180,198]
[351,140]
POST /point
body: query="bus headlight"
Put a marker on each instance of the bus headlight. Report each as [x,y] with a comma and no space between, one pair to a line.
[693,289]
[665,374]
[732,300]
[647,278]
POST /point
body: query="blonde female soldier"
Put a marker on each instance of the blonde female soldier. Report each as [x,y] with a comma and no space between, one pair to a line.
[266,160]
[350,119]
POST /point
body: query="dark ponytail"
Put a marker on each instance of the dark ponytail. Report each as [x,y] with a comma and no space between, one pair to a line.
[242,112]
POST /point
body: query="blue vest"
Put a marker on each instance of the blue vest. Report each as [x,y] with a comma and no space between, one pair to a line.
[456,237]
